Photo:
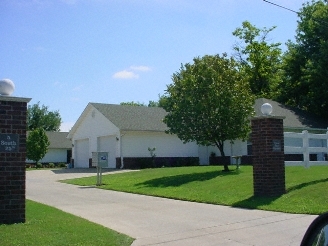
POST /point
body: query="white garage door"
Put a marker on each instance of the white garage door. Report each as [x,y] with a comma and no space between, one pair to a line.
[82,153]
[108,144]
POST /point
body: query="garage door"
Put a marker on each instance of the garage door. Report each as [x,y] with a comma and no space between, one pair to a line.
[108,144]
[82,153]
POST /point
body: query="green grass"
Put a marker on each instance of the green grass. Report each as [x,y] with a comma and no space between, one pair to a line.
[306,188]
[49,226]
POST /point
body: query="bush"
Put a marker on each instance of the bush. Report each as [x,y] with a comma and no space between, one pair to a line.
[51,165]
[62,164]
[38,165]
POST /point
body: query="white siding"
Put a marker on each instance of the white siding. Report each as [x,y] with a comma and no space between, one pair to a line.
[93,126]
[136,144]
[53,155]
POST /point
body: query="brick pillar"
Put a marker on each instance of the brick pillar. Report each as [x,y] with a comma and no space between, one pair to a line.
[12,159]
[268,156]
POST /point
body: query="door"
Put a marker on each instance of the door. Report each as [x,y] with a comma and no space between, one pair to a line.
[81,153]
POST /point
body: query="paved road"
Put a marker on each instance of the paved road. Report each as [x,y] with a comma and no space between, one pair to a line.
[158,221]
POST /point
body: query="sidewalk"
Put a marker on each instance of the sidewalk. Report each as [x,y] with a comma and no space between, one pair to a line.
[158,221]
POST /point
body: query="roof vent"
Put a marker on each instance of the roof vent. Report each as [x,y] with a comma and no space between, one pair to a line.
[7,87]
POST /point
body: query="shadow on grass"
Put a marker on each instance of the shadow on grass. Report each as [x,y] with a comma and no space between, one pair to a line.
[178,180]
[302,185]
[254,202]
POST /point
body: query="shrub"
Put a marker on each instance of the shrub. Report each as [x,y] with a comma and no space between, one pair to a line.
[62,165]
[51,165]
[38,165]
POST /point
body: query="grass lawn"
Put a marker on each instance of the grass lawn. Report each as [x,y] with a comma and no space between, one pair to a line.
[49,226]
[306,188]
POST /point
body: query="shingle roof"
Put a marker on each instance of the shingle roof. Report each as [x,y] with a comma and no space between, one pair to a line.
[141,118]
[133,118]
[58,140]
[294,117]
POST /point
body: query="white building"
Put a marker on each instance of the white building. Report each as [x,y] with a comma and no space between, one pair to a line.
[59,150]
[131,134]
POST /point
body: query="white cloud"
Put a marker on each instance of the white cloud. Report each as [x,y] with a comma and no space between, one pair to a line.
[125,74]
[78,88]
[140,68]
[130,73]
[70,2]
[75,99]
[59,85]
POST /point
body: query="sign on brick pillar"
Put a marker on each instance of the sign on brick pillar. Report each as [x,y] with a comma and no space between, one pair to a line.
[13,112]
[268,156]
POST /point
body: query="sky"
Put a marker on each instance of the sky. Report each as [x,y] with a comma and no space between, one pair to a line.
[67,53]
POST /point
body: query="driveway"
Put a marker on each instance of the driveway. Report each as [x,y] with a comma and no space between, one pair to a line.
[159,221]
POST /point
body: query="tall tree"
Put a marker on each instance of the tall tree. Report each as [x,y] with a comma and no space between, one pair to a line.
[306,62]
[40,117]
[209,102]
[260,60]
[37,144]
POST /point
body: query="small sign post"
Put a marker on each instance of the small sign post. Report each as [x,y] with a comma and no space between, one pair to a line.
[99,160]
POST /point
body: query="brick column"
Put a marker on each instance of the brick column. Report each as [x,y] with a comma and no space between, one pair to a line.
[13,112]
[268,156]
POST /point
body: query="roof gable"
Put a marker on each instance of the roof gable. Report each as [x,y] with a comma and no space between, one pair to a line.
[133,118]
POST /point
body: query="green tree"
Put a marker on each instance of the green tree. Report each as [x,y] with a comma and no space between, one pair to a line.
[133,103]
[209,102]
[160,103]
[150,103]
[260,60]
[306,62]
[153,104]
[37,144]
[40,117]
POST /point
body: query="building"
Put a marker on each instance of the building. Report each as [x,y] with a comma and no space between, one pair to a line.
[59,150]
[133,134]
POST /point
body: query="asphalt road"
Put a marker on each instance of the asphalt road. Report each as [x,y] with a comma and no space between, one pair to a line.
[158,221]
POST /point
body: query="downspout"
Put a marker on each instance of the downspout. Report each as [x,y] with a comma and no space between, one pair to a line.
[121,148]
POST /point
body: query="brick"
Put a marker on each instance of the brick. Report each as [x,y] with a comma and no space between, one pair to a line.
[268,165]
[12,170]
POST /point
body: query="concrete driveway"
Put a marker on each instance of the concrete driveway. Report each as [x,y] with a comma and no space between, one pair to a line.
[158,221]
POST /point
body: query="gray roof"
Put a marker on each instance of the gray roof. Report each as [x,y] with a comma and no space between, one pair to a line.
[295,118]
[58,140]
[133,118]
[141,118]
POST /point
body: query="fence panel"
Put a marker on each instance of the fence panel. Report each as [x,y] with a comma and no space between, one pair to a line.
[305,149]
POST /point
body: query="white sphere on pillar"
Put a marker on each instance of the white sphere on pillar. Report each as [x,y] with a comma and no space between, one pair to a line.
[7,87]
[266,109]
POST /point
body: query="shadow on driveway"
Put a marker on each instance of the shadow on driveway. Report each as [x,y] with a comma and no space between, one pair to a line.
[82,170]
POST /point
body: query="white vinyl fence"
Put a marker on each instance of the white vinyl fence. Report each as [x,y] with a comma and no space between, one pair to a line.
[306,143]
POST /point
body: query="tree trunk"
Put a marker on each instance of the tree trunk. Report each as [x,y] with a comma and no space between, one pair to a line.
[220,146]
